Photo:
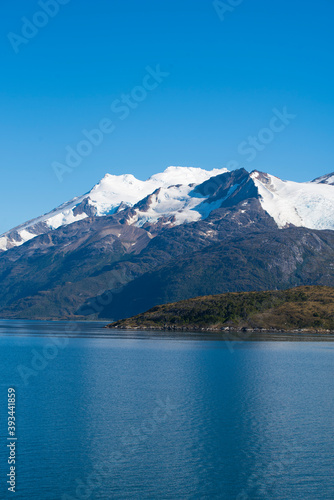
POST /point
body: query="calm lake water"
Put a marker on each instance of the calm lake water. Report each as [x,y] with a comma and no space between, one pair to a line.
[145,416]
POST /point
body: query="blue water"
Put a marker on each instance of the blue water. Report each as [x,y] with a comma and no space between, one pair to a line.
[143,417]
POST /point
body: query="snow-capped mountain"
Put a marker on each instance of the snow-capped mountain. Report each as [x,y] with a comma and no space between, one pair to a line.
[175,197]
[112,193]
[128,245]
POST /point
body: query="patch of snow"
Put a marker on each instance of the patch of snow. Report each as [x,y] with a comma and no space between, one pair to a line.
[64,218]
[3,243]
[26,235]
[132,220]
[6,244]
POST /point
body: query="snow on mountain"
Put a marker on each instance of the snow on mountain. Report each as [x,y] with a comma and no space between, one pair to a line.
[325,179]
[307,204]
[175,204]
[62,215]
[170,198]
[185,175]
[111,193]
[113,190]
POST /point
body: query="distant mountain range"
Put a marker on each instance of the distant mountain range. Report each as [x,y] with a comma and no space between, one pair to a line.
[128,245]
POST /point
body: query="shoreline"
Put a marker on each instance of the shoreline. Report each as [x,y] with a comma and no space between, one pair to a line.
[227,329]
[231,334]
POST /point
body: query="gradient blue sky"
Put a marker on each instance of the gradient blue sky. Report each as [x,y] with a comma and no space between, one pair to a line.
[225,79]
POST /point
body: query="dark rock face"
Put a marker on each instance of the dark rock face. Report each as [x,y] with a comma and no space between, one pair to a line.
[103,267]
[85,208]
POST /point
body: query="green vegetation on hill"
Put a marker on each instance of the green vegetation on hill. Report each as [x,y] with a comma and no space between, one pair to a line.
[306,307]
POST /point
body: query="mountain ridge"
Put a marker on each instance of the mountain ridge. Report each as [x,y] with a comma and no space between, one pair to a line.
[309,204]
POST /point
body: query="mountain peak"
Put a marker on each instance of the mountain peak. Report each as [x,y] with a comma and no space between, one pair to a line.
[325,179]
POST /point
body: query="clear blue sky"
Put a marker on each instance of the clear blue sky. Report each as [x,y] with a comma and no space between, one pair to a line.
[225,78]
